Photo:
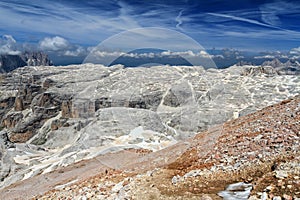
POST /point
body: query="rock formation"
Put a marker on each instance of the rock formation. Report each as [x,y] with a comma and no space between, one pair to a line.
[290,67]
[253,157]
[11,62]
[56,116]
[36,59]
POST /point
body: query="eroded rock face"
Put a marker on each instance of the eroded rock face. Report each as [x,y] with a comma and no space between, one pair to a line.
[11,62]
[289,67]
[81,111]
[188,99]
[36,59]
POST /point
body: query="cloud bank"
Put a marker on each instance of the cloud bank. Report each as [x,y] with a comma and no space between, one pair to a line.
[186,54]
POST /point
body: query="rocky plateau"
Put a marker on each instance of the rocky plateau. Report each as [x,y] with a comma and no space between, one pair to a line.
[132,132]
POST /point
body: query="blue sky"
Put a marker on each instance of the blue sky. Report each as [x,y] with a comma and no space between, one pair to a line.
[73,26]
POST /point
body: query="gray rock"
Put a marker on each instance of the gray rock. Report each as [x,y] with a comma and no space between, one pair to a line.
[291,67]
[281,174]
[96,109]
[236,191]
[178,95]
[193,173]
[12,62]
[36,59]
[176,179]
[5,143]
[264,196]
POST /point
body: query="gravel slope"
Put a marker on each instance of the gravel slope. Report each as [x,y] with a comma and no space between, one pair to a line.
[261,149]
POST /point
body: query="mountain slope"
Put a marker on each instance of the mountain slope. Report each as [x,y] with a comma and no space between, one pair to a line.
[53,117]
[261,149]
[11,62]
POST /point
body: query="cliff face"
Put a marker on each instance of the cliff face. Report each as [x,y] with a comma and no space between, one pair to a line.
[290,67]
[36,59]
[11,62]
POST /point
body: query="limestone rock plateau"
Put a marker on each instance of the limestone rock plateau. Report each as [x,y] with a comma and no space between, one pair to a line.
[113,119]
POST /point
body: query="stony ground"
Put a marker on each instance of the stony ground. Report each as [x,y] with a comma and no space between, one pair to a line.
[52,117]
[261,149]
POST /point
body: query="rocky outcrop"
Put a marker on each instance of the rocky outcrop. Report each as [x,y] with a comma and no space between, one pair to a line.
[6,104]
[253,71]
[252,157]
[291,67]
[81,111]
[19,106]
[66,109]
[11,62]
[36,59]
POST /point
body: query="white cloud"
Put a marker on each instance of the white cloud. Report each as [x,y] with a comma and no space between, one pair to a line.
[276,55]
[78,51]
[204,54]
[185,54]
[149,55]
[295,51]
[103,54]
[188,53]
[54,44]
[264,57]
[61,46]
[239,57]
[8,45]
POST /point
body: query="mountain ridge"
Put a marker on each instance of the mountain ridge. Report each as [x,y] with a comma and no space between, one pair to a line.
[11,62]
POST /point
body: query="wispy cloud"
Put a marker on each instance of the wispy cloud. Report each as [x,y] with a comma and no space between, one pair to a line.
[126,15]
[270,12]
[251,21]
[179,20]
[54,18]
[90,22]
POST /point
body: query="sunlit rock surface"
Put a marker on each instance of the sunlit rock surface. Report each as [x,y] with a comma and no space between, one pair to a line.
[54,116]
